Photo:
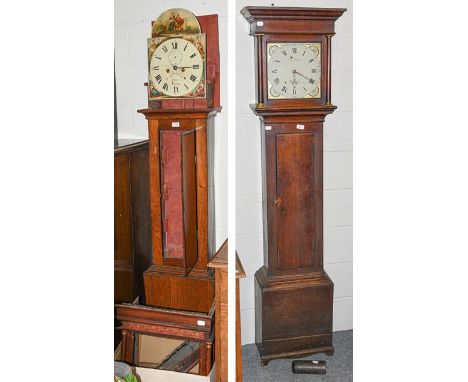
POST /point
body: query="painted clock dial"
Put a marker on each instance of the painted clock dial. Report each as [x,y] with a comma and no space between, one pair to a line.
[294,70]
[176,67]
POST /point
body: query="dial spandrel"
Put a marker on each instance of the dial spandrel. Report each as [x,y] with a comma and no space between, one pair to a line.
[176,67]
[294,70]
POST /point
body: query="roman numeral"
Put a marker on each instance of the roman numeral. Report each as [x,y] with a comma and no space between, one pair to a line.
[174,45]
[303,52]
[276,60]
[284,89]
[158,78]
[186,87]
[193,78]
[193,55]
[284,52]
[156,68]
[165,86]
[311,81]
[185,47]
[311,60]
[294,50]
[275,71]
[276,81]
[165,49]
[196,66]
[314,70]
[294,91]
[176,89]
[157,57]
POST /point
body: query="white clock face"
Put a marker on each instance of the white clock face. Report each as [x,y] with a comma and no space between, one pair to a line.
[176,67]
[294,70]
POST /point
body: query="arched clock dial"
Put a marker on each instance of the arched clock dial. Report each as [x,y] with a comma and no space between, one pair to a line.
[294,70]
[176,67]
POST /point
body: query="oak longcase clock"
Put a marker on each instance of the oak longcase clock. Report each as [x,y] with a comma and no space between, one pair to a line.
[293,293]
[183,100]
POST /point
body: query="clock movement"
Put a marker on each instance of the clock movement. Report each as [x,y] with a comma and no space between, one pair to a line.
[183,100]
[293,293]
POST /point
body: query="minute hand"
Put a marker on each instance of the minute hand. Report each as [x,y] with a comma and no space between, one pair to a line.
[296,72]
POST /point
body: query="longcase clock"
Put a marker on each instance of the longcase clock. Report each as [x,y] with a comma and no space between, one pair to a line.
[183,100]
[293,293]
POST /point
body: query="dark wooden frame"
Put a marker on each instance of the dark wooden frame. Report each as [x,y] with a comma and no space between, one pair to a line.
[139,319]
[289,24]
[293,306]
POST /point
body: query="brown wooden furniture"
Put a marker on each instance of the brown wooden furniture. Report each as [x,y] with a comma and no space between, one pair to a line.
[240,273]
[132,220]
[173,282]
[181,141]
[220,264]
[293,293]
[187,326]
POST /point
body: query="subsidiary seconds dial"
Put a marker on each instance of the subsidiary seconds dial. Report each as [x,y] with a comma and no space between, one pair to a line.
[294,70]
[176,67]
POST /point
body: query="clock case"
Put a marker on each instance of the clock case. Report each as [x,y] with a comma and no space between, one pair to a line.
[293,293]
[183,281]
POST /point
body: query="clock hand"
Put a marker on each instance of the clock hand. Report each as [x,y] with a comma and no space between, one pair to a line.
[182,67]
[296,72]
[309,79]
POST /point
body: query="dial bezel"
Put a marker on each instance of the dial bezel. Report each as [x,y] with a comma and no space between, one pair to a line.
[270,86]
[199,92]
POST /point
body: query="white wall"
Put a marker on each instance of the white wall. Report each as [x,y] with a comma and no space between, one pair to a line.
[132,27]
[338,157]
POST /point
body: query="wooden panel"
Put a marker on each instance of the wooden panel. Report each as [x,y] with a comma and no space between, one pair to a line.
[178,292]
[123,286]
[122,210]
[209,25]
[294,201]
[290,306]
[123,243]
[141,216]
[202,194]
[189,199]
[172,207]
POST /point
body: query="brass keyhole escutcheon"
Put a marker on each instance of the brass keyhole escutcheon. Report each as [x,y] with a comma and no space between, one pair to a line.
[277,203]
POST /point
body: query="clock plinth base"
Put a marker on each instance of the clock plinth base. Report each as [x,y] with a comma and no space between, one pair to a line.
[293,315]
[265,359]
[165,289]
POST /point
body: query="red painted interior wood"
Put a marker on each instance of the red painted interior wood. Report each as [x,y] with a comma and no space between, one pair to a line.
[172,207]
